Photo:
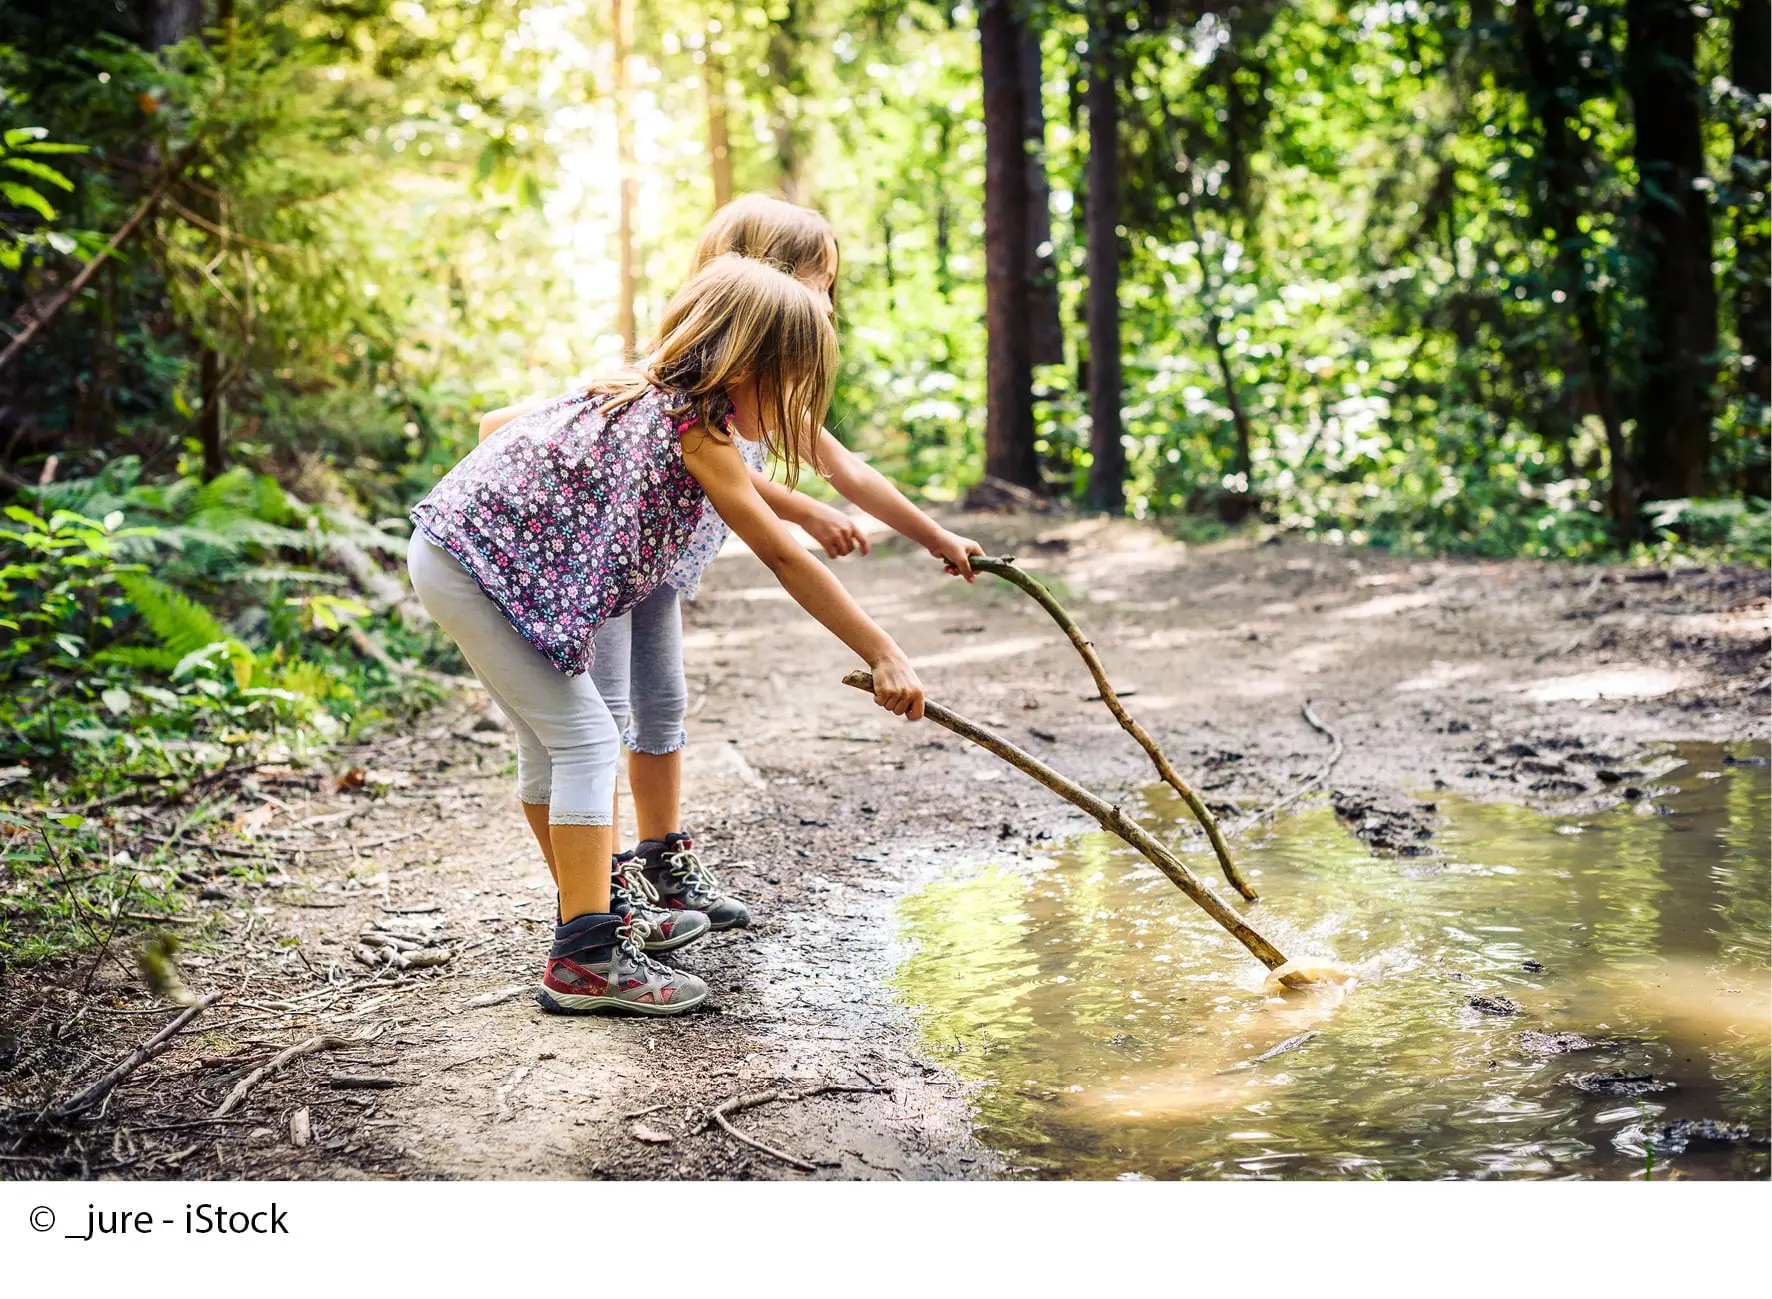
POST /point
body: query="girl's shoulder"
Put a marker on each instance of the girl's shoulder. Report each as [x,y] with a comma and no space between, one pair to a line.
[712,410]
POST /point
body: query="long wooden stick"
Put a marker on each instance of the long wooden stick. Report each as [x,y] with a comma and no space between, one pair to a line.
[95,1093]
[1004,567]
[1111,819]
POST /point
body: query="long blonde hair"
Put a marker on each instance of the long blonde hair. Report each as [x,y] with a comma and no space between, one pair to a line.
[797,239]
[741,319]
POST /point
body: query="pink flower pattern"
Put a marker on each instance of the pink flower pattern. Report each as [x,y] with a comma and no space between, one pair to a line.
[566,518]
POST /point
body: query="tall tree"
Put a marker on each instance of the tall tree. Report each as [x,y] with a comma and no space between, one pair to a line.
[788,91]
[1674,399]
[1044,323]
[1750,68]
[1107,466]
[167,22]
[619,15]
[713,72]
[1009,410]
[1550,69]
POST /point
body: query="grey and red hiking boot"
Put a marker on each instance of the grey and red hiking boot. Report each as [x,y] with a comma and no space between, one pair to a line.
[596,965]
[630,892]
[684,883]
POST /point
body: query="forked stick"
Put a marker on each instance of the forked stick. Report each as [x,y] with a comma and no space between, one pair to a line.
[1004,567]
[1111,818]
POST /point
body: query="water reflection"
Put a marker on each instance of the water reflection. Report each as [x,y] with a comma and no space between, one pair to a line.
[1118,1032]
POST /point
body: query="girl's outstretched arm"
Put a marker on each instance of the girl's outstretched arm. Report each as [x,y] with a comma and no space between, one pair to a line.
[830,528]
[726,479]
[860,482]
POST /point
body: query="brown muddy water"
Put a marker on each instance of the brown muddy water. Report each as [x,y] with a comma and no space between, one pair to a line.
[1116,1032]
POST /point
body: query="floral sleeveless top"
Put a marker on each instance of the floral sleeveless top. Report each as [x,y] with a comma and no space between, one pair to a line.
[710,533]
[566,518]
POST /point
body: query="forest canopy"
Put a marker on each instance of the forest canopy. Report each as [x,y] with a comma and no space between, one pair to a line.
[1421,274]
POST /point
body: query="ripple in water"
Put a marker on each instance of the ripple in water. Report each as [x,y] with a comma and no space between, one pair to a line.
[1118,1033]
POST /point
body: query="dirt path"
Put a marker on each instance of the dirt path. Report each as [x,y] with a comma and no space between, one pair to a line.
[1511,680]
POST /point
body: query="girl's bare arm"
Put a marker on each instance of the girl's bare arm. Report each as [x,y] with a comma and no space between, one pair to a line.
[860,482]
[726,479]
[830,528]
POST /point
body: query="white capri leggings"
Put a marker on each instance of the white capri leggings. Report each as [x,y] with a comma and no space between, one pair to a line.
[567,742]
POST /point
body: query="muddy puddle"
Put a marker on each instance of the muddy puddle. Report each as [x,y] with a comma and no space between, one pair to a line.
[1115,1032]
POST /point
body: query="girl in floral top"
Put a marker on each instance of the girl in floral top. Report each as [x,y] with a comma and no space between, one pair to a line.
[639,661]
[579,511]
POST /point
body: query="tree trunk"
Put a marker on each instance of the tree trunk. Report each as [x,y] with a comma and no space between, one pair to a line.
[1555,197]
[1009,419]
[1677,367]
[1107,467]
[1046,330]
[944,279]
[624,146]
[719,143]
[211,430]
[170,21]
[787,72]
[1751,70]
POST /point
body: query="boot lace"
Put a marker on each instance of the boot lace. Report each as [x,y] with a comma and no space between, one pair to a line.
[641,891]
[629,937]
[687,865]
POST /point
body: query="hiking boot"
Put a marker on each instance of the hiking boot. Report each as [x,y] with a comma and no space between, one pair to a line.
[596,964]
[684,883]
[631,893]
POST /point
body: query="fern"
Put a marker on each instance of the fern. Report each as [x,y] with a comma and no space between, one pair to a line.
[180,624]
[144,657]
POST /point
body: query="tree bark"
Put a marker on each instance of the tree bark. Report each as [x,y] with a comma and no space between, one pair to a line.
[719,142]
[787,72]
[624,146]
[1107,467]
[1046,329]
[171,21]
[1678,365]
[1009,418]
[1751,71]
[1555,196]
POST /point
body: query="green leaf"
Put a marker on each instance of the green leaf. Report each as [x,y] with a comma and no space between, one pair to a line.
[117,700]
[199,658]
[69,820]
[25,196]
[41,170]
[48,147]
[24,135]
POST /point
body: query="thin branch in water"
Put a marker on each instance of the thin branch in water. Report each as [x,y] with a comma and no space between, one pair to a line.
[1004,567]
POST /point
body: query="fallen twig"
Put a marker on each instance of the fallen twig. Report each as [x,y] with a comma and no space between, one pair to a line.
[751,1100]
[1004,567]
[1312,781]
[1111,819]
[100,1089]
[327,1042]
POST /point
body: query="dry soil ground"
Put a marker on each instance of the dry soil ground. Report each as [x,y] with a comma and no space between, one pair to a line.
[1513,680]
